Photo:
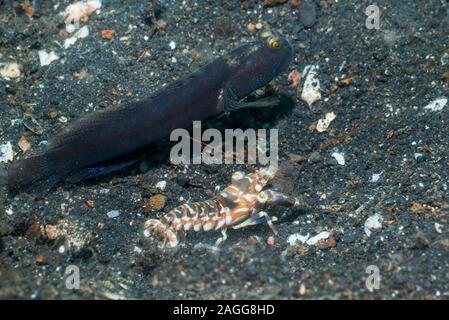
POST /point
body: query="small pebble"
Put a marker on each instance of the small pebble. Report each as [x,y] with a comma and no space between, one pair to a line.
[182,179]
[331,242]
[375,177]
[307,14]
[24,145]
[340,157]
[302,289]
[437,104]
[323,124]
[161,185]
[374,222]
[63,119]
[10,70]
[33,231]
[50,231]
[445,77]
[295,3]
[52,114]
[155,203]
[251,26]
[113,213]
[162,23]
[90,203]
[107,34]
[295,78]
[438,227]
[421,240]
[47,58]
[41,260]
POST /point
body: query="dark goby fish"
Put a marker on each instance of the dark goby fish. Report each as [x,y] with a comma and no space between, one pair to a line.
[100,142]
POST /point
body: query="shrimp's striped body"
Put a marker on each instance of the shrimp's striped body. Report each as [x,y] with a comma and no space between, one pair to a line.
[237,206]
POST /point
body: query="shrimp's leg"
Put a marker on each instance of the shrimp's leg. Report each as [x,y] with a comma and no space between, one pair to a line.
[270,221]
[222,239]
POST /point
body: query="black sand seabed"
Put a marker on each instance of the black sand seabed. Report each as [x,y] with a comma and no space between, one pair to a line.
[395,151]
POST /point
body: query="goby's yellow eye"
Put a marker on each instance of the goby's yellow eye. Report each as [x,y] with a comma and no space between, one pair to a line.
[274,43]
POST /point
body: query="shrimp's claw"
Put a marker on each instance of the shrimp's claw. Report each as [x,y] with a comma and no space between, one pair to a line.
[271,197]
[259,217]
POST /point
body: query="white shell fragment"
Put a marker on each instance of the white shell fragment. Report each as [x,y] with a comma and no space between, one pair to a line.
[320,236]
[375,177]
[6,152]
[81,33]
[10,70]
[161,185]
[323,124]
[46,58]
[113,214]
[296,237]
[437,104]
[373,222]
[311,89]
[69,42]
[340,157]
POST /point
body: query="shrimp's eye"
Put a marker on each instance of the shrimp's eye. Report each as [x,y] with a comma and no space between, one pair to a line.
[274,43]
